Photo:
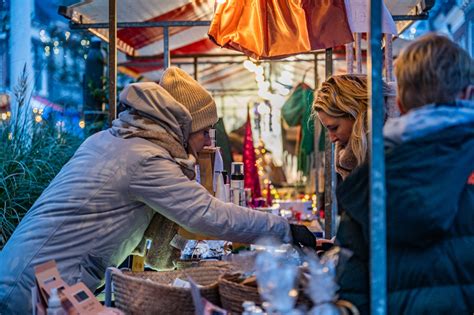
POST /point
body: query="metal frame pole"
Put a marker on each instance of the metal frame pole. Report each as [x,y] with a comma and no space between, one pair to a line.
[330,202]
[378,255]
[166,47]
[358,47]
[389,58]
[350,58]
[195,66]
[138,64]
[316,126]
[232,55]
[75,25]
[112,60]
[316,75]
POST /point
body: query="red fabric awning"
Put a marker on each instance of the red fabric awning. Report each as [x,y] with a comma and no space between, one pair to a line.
[142,65]
[141,37]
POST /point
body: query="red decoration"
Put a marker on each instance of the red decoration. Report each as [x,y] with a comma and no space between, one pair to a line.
[250,165]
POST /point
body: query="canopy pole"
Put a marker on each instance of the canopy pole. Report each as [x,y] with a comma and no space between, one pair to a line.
[195,65]
[350,58]
[358,47]
[112,60]
[75,25]
[317,156]
[389,57]
[378,257]
[166,48]
[330,202]
[316,75]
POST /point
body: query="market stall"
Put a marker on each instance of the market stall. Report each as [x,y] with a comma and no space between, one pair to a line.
[153,36]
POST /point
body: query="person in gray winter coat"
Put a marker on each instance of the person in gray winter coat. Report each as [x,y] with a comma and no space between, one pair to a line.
[96,210]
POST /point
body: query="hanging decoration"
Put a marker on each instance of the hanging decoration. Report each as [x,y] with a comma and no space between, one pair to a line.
[251,179]
[297,111]
[262,29]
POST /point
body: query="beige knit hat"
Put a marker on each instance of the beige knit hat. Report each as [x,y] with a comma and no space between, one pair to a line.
[191,95]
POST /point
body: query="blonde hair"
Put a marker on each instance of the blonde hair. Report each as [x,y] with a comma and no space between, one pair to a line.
[432,69]
[346,96]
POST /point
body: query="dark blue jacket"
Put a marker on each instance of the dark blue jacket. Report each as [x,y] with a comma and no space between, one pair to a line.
[430,220]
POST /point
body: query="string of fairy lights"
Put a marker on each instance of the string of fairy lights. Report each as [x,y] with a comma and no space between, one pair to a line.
[53,42]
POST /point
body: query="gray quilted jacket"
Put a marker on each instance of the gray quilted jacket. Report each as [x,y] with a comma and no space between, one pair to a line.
[94,213]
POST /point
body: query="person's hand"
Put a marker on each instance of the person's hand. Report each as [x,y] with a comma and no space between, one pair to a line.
[302,236]
[324,244]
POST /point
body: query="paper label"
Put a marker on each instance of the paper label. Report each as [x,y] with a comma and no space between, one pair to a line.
[238,197]
[237,184]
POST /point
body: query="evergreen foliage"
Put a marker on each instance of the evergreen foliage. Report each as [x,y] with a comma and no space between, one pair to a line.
[31,154]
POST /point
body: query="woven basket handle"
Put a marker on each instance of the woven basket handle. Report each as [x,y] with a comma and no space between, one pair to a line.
[347,307]
[108,284]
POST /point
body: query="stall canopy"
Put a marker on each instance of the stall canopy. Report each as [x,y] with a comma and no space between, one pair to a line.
[142,48]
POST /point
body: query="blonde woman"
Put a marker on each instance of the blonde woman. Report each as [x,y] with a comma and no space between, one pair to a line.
[341,106]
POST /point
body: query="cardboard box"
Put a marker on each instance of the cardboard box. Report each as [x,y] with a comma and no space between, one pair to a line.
[76,299]
[47,278]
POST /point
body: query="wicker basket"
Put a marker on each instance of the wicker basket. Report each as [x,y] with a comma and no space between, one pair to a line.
[151,292]
[233,293]
[185,264]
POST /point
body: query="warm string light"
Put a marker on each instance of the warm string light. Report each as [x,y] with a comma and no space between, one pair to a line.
[271,100]
[53,45]
[263,85]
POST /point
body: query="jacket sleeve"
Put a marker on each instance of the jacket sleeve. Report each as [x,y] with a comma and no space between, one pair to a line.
[160,184]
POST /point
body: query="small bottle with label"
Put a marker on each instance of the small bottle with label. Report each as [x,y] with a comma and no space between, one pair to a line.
[237,184]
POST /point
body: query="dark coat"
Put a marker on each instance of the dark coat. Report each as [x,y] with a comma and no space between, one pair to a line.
[430,226]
